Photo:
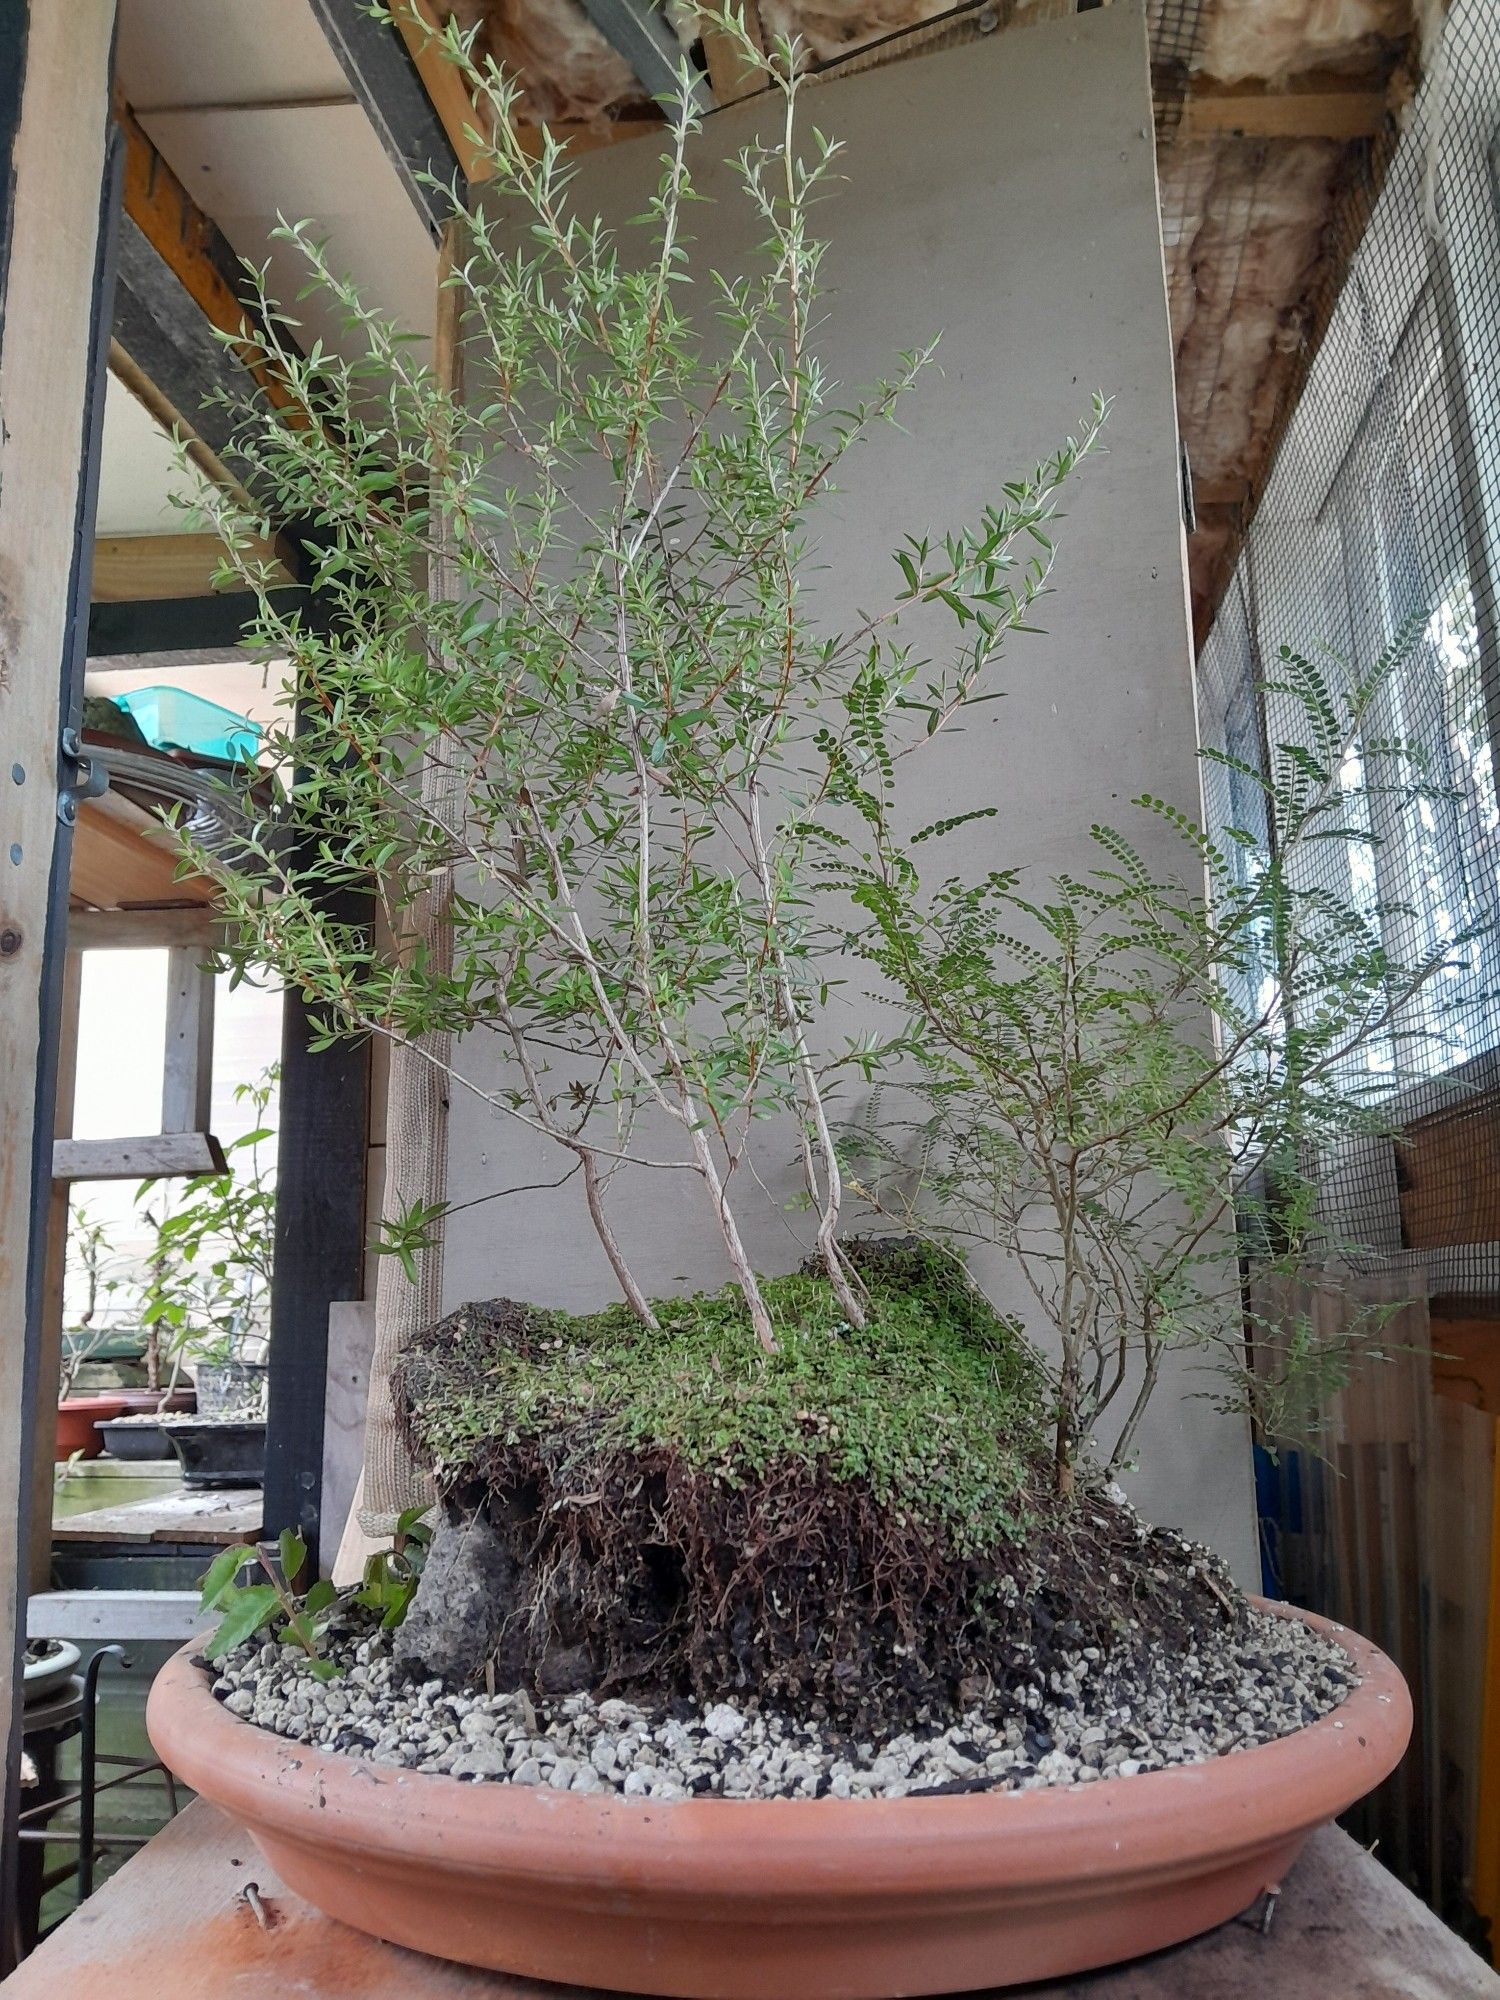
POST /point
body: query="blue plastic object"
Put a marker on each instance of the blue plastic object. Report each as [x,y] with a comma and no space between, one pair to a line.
[171,719]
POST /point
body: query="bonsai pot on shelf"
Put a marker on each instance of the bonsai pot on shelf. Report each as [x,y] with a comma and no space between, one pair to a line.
[136,1433]
[784,1899]
[50,1664]
[218,1451]
[77,1421]
[134,1438]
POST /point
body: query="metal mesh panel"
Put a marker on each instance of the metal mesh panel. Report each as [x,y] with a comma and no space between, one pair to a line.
[1384,505]
[1175,29]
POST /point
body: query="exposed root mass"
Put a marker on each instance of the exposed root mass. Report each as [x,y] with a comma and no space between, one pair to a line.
[860,1530]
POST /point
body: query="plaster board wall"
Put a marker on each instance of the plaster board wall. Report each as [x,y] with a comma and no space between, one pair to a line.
[1004,195]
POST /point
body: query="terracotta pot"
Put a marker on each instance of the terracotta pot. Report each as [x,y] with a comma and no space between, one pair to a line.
[76,1418]
[783,1899]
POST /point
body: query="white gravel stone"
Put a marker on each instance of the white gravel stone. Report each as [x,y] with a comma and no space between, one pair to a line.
[1096,1720]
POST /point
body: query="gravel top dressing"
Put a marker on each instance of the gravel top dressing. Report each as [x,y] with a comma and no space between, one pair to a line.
[1266,1678]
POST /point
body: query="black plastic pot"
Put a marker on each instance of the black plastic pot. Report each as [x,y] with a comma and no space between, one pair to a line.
[225,1453]
[133,1441]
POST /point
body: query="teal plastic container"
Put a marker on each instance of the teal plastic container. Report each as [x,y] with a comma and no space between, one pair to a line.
[171,719]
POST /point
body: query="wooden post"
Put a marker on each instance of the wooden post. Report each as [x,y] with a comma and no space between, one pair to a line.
[188,1070]
[50,1332]
[54,144]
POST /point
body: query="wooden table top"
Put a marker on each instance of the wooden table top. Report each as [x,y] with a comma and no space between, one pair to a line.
[175,1924]
[213,1515]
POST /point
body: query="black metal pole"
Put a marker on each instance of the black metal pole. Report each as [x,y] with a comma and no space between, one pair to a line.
[320,1243]
[87,1764]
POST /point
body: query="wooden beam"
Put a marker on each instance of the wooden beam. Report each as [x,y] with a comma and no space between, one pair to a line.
[729,75]
[640,31]
[188,1064]
[322,1155]
[54,322]
[194,249]
[150,1155]
[178,624]
[103,1615]
[446,87]
[129,569]
[179,288]
[376,59]
[145,930]
[1306,107]
[50,1332]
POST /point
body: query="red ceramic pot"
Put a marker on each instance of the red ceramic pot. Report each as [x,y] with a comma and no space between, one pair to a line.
[784,1899]
[76,1418]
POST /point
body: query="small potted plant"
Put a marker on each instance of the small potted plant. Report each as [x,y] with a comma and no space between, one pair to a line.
[136,1433]
[207,1300]
[794,1638]
[49,1666]
[93,1265]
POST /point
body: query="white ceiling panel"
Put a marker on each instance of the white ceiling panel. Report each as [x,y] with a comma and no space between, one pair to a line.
[321,164]
[249,108]
[212,52]
[139,472]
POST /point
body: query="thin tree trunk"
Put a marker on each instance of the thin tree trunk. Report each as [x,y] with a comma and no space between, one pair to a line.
[744,1274]
[830,1201]
[635,1298]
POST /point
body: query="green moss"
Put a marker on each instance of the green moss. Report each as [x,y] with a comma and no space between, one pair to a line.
[938,1403]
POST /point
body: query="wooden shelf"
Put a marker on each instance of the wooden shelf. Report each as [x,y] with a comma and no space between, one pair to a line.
[124,858]
[218,1517]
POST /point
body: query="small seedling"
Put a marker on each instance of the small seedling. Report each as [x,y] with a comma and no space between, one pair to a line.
[302,1619]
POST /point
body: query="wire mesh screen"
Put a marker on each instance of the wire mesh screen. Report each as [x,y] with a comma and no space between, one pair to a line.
[1383,507]
[1175,29]
[1381,516]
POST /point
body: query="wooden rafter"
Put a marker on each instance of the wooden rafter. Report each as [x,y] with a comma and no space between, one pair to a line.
[1312,106]
[185,341]
[130,568]
[206,626]
[397,94]
[640,31]
[444,83]
[729,75]
[192,248]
